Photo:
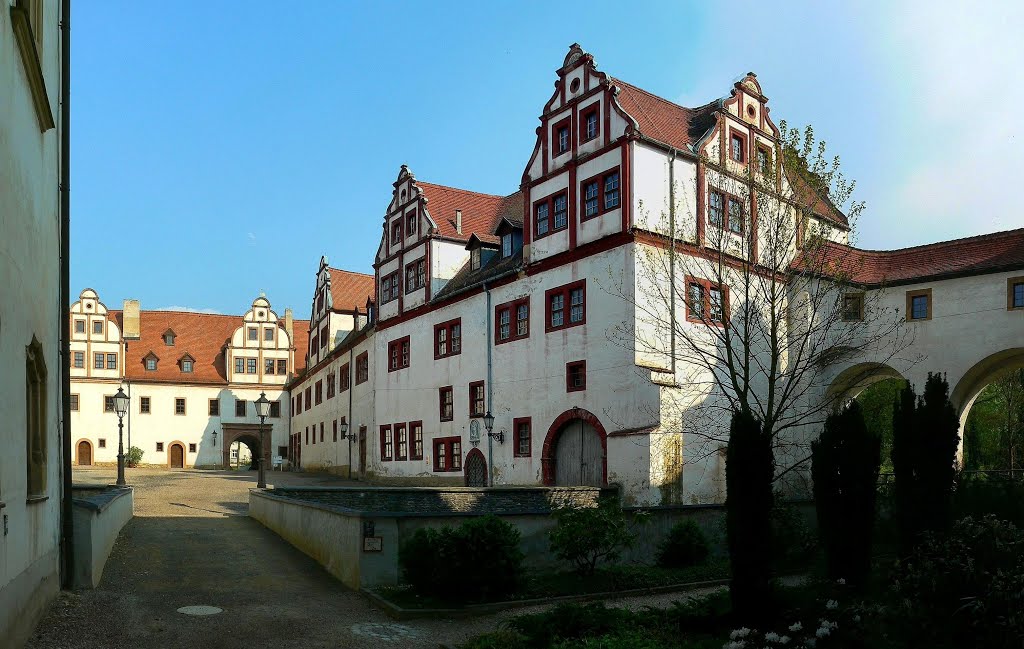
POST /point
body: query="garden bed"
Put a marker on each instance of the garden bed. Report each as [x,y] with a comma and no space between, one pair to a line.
[551,587]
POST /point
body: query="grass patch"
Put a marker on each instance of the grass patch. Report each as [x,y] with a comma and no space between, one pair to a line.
[541,585]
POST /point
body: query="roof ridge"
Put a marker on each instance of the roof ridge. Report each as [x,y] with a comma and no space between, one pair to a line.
[351,272]
[459,189]
[659,97]
[934,244]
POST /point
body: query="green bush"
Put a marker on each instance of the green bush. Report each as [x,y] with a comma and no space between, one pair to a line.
[586,536]
[965,588]
[133,457]
[685,546]
[483,552]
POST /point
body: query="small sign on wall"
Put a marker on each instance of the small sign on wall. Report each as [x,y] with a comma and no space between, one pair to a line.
[373,543]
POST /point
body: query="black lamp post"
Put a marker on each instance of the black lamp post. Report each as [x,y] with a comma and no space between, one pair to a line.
[120,407]
[489,425]
[262,410]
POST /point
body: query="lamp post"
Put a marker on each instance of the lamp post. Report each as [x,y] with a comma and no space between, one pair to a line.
[262,410]
[120,407]
[344,435]
[489,425]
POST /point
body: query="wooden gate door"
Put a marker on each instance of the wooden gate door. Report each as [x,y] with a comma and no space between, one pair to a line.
[177,456]
[84,453]
[579,458]
[476,469]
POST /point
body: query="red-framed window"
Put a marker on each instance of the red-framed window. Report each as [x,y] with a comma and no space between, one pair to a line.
[576,376]
[447,454]
[415,275]
[448,338]
[512,320]
[764,158]
[343,378]
[398,354]
[561,137]
[590,123]
[309,397]
[319,392]
[522,437]
[565,306]
[551,214]
[446,399]
[410,223]
[389,288]
[600,194]
[477,399]
[386,443]
[737,147]
[706,302]
[396,232]
[416,440]
[726,211]
[362,368]
[401,442]
[323,337]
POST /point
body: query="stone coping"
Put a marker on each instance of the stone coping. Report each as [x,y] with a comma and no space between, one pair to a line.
[397,612]
[97,497]
[430,502]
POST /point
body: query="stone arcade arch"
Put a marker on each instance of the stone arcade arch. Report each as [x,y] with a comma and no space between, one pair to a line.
[578,442]
[977,378]
[248,434]
[855,379]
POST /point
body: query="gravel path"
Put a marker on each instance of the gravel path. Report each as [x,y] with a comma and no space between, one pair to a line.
[192,543]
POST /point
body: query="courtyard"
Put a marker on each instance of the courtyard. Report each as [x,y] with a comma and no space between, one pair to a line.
[191,543]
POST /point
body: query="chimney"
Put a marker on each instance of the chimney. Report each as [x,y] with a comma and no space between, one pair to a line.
[288,325]
[130,320]
[458,221]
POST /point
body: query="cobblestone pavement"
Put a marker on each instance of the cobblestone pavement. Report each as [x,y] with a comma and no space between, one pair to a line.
[192,543]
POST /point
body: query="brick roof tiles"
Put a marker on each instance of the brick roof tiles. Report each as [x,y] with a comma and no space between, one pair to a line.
[480,212]
[350,290]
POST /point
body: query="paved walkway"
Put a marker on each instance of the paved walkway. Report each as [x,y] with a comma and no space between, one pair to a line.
[191,543]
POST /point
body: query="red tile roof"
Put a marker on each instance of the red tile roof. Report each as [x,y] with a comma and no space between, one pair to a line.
[480,212]
[350,290]
[990,253]
[664,121]
[200,335]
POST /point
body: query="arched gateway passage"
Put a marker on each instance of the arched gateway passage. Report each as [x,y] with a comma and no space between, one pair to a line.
[249,435]
[575,451]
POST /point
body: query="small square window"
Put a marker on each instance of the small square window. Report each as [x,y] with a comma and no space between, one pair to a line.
[268,334]
[179,406]
[74,402]
[191,448]
[282,366]
[79,326]
[1015,293]
[111,361]
[79,359]
[254,333]
[108,404]
[214,407]
[853,307]
[144,405]
[576,376]
[239,407]
[919,305]
[159,447]
[97,327]
[102,442]
[98,359]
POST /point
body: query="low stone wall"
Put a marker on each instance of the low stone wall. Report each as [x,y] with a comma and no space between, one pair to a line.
[99,513]
[355,532]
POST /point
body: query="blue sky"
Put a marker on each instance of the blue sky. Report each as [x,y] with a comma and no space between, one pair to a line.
[220,148]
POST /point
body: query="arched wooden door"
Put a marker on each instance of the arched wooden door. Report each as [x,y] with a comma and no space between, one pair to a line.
[177,456]
[579,456]
[476,469]
[84,453]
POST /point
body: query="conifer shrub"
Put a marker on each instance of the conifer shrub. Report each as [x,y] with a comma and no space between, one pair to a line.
[845,463]
[685,545]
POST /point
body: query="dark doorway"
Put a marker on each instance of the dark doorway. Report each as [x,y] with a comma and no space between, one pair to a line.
[476,469]
[579,456]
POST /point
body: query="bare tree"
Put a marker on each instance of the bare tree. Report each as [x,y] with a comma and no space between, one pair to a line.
[746,305]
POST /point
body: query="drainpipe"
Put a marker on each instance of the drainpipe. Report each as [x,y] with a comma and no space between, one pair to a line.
[66,523]
[350,420]
[490,388]
[672,259]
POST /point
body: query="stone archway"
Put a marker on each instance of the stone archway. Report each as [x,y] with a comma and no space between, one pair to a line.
[248,434]
[592,449]
[857,378]
[970,386]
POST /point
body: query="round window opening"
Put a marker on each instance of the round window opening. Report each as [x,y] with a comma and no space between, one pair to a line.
[574,86]
[750,110]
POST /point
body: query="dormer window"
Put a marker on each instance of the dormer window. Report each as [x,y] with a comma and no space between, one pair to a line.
[187,362]
[150,362]
[506,245]
[169,338]
[474,258]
